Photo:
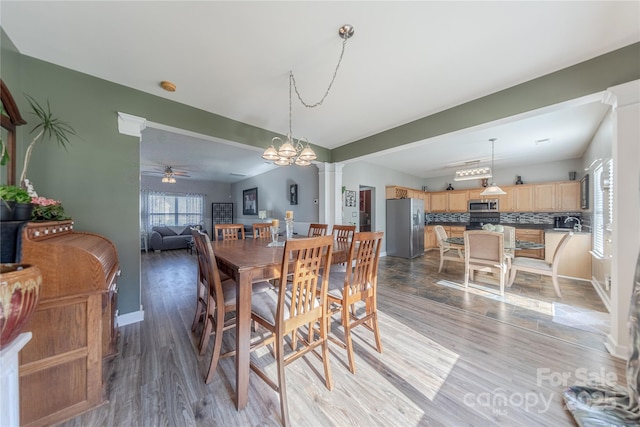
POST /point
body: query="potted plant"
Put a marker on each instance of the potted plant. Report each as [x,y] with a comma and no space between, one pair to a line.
[48,127]
[16,203]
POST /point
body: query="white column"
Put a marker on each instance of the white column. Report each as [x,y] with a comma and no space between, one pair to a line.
[9,381]
[330,193]
[625,100]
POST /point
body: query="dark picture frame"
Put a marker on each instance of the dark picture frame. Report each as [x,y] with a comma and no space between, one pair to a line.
[250,201]
[350,199]
[293,194]
[584,192]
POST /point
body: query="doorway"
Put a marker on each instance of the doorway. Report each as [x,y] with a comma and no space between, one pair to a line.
[366,214]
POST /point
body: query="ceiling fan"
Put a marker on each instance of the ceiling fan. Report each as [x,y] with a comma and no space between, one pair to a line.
[169,174]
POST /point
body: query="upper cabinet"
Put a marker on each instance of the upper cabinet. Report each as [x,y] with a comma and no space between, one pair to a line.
[544,197]
[522,198]
[568,196]
[563,196]
[458,200]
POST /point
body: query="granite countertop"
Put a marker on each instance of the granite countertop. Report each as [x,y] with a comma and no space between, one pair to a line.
[548,228]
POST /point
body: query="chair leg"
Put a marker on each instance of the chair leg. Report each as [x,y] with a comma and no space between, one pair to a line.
[284,412]
[215,354]
[503,272]
[324,336]
[466,276]
[346,321]
[372,308]
[554,279]
[441,263]
[206,332]
[197,316]
[512,276]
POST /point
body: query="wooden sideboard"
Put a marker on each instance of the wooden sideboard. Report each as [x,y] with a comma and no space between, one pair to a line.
[74,325]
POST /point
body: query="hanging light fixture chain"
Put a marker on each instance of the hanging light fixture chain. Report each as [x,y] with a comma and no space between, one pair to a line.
[335,73]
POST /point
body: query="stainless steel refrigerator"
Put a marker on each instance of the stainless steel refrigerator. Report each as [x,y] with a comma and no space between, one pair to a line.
[405,227]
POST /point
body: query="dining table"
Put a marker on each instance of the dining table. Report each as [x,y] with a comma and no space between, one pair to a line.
[520,244]
[249,261]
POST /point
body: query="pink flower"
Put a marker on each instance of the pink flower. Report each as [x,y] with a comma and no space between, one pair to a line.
[43,201]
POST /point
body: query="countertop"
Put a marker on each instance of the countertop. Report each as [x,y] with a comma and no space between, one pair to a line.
[548,228]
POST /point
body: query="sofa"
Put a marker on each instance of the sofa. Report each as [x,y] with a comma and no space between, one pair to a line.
[166,237]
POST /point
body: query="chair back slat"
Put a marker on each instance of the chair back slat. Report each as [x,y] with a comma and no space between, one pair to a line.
[261,230]
[308,257]
[366,254]
[229,231]
[210,272]
[316,230]
[343,233]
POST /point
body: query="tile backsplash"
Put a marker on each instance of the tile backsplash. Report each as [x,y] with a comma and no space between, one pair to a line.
[505,217]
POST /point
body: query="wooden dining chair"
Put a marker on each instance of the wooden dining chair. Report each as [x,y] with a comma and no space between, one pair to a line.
[291,306]
[229,231]
[447,251]
[262,230]
[484,251]
[316,230]
[540,266]
[343,233]
[221,299]
[355,285]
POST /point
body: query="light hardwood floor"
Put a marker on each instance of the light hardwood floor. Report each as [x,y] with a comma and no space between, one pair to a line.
[441,366]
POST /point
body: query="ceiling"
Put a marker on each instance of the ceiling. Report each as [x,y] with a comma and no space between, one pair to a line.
[407,60]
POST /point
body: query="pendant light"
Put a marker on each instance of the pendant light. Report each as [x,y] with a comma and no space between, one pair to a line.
[290,151]
[493,189]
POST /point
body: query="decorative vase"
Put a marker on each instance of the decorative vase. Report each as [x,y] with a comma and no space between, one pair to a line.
[19,293]
[6,210]
[519,180]
[22,211]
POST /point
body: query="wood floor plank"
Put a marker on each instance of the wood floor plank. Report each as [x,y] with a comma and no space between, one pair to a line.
[449,359]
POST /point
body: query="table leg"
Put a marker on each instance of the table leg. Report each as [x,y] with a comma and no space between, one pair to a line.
[243,337]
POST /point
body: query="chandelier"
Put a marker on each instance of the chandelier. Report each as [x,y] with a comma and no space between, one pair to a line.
[493,189]
[472,172]
[290,151]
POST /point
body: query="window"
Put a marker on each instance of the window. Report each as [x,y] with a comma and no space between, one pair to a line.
[598,212]
[178,209]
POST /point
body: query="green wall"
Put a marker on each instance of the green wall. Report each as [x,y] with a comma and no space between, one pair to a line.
[97,179]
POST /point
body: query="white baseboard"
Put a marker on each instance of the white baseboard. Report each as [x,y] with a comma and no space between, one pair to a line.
[130,318]
[619,351]
[601,293]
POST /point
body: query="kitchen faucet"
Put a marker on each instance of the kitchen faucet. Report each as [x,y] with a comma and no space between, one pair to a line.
[578,226]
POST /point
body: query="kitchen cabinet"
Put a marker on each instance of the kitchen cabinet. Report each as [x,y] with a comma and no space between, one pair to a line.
[439,202]
[448,201]
[505,201]
[457,200]
[456,231]
[522,198]
[530,235]
[475,194]
[395,192]
[568,196]
[575,260]
[430,240]
[544,197]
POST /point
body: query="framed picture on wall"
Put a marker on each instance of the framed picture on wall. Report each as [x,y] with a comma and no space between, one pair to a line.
[250,201]
[350,199]
[293,194]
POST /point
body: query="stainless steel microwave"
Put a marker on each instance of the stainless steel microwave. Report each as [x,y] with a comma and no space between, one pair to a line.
[486,205]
